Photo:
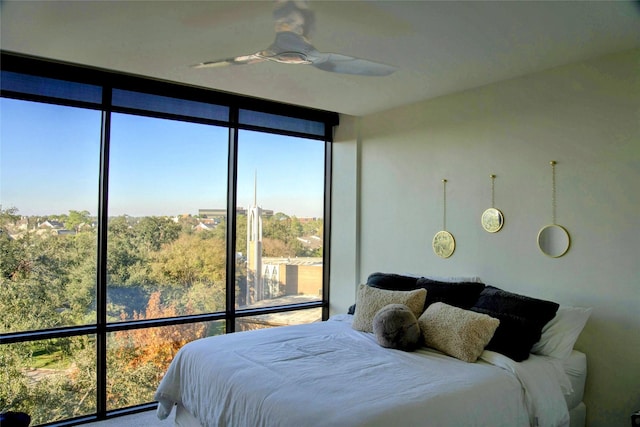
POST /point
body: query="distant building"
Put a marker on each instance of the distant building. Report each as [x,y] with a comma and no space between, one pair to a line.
[204,226]
[222,213]
[218,213]
[56,225]
[311,242]
[292,276]
[63,232]
[307,219]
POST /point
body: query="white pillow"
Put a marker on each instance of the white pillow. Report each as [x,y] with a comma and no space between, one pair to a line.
[560,334]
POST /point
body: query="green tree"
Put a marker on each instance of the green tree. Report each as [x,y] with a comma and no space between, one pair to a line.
[194,269]
[295,227]
[40,283]
[187,224]
[152,232]
[277,227]
[76,218]
[12,253]
[13,256]
[81,281]
[276,248]
[189,259]
[8,216]
[313,228]
[241,234]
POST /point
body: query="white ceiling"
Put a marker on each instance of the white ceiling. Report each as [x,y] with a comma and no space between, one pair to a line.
[438,47]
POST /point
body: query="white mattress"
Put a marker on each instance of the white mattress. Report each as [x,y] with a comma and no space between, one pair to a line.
[576,368]
[326,374]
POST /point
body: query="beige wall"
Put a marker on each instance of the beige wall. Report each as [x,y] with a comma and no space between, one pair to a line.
[387,202]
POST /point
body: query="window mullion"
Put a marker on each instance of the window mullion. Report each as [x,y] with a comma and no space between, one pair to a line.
[328,156]
[232,182]
[101,279]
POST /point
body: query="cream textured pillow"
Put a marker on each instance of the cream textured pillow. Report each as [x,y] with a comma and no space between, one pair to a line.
[369,300]
[460,333]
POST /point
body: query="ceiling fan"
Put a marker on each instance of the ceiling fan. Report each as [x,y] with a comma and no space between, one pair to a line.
[293,23]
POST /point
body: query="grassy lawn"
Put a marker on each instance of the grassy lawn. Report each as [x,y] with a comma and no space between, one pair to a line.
[44,359]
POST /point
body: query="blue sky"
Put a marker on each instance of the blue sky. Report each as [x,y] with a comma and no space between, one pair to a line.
[49,158]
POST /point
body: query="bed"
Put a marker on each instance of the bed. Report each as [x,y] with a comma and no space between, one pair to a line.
[332,373]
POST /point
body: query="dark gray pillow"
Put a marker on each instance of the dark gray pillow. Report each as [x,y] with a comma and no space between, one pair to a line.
[535,310]
[458,294]
[395,326]
[521,320]
[514,337]
[392,282]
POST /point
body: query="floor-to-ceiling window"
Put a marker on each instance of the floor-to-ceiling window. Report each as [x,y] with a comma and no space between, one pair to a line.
[136,216]
[281,183]
[49,169]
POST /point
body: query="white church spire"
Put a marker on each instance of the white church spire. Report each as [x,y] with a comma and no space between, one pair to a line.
[255,283]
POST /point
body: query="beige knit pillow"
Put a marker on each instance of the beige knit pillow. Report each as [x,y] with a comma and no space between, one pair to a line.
[460,333]
[369,300]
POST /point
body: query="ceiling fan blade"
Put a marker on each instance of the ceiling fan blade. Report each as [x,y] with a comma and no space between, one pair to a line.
[349,65]
[238,60]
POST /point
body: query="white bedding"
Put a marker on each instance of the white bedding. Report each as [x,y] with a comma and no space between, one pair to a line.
[327,374]
[576,368]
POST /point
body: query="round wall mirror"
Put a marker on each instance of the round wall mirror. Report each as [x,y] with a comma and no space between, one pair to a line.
[492,220]
[553,240]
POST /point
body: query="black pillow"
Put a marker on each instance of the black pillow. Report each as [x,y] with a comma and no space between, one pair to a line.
[15,419]
[514,337]
[524,318]
[537,311]
[392,282]
[458,294]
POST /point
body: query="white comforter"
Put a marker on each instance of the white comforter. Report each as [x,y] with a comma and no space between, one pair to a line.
[327,374]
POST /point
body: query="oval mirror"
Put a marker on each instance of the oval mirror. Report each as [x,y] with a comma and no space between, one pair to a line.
[443,244]
[492,220]
[553,240]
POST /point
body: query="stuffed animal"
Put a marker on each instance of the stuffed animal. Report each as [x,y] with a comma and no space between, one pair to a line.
[395,326]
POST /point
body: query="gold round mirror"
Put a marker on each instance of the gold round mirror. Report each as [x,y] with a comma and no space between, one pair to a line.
[554,240]
[444,244]
[492,220]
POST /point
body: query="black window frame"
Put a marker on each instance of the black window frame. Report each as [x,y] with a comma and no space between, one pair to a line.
[108,81]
